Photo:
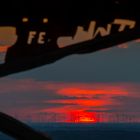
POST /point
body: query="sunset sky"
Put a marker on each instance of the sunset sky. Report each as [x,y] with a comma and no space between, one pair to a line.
[102,83]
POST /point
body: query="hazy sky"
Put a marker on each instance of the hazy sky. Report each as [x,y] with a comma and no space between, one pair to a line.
[112,65]
[105,81]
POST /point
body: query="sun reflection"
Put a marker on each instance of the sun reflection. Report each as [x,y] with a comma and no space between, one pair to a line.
[83,117]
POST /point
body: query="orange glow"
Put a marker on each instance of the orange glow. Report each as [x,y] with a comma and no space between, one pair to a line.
[75,91]
[69,102]
[83,117]
[84,97]
[137,40]
[82,102]
[123,46]
[3,48]
[45,20]
[25,19]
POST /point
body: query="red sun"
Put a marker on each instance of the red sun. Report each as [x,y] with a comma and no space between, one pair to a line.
[83,117]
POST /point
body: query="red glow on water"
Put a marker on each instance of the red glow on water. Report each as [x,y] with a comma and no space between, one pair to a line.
[83,117]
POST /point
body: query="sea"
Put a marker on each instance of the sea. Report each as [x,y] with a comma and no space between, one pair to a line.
[85,131]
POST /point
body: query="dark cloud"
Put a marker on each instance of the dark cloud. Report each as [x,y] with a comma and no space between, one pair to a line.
[103,111]
[125,106]
[127,99]
[58,104]
[98,96]
[130,102]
